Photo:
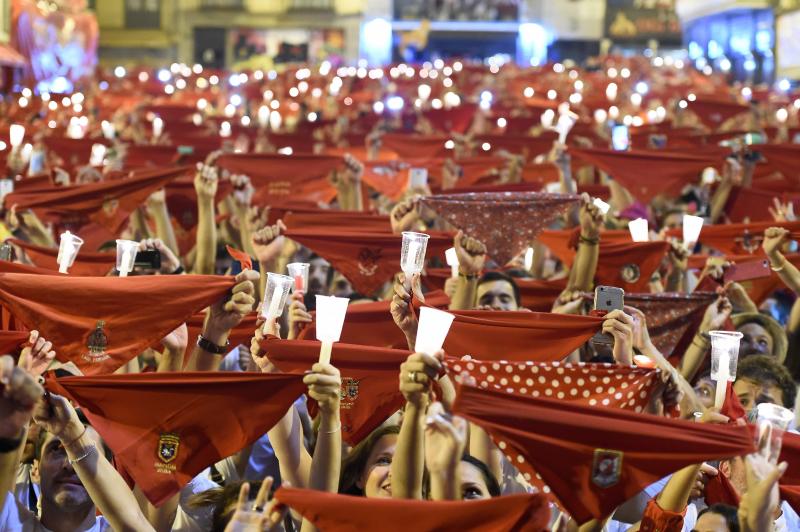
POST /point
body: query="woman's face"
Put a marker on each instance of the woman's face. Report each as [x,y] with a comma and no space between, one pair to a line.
[473,485]
[376,480]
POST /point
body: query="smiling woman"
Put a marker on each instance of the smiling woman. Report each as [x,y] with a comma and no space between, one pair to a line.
[366,470]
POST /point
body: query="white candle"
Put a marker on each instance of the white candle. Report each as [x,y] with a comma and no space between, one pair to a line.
[722,380]
[64,257]
[126,260]
[158,127]
[411,259]
[274,304]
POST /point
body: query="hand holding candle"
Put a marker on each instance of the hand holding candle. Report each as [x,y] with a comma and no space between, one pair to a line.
[412,256]
[433,327]
[692,225]
[452,260]
[275,295]
[299,272]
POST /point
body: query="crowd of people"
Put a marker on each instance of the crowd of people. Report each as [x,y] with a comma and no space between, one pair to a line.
[170,386]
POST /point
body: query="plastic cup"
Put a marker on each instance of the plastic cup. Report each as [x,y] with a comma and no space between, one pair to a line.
[724,358]
[98,155]
[692,225]
[67,251]
[412,255]
[275,295]
[778,418]
[639,230]
[16,134]
[433,327]
[298,271]
[126,256]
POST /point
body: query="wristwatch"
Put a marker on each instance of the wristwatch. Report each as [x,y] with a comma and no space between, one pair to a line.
[206,345]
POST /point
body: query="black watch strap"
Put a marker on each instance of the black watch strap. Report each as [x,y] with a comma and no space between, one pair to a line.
[206,345]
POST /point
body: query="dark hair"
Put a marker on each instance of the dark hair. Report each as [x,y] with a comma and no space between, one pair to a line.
[491,482]
[38,446]
[765,369]
[490,277]
[354,463]
[517,273]
[725,510]
[222,500]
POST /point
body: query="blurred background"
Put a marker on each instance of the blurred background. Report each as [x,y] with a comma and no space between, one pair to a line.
[754,41]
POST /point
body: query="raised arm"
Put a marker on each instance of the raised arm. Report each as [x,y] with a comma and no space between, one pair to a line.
[223,316]
[471,258]
[774,239]
[585,265]
[205,185]
[157,205]
[104,485]
[417,374]
[445,440]
[714,318]
[324,384]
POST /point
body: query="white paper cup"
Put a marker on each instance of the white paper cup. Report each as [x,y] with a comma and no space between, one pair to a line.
[432,330]
[778,418]
[68,248]
[639,230]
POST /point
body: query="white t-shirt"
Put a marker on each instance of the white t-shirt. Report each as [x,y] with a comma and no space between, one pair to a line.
[16,517]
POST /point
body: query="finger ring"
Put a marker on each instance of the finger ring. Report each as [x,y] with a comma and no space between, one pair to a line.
[412,376]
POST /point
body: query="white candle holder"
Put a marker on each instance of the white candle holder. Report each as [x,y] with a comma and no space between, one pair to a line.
[16,134]
[412,255]
[126,256]
[432,330]
[330,315]
[98,155]
[692,225]
[639,230]
[68,248]
[724,359]
[298,271]
[778,418]
[452,260]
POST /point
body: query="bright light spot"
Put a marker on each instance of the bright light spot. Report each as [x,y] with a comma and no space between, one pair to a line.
[707,70]
[447,71]
[725,64]
[230,110]
[164,75]
[169,89]
[202,103]
[613,112]
[575,98]
[286,150]
[378,107]
[348,101]
[180,84]
[119,72]
[501,122]
[611,91]
[627,120]
[312,116]
[447,82]
[436,103]
[214,79]
[558,68]
[600,116]
[636,99]
[658,62]
[486,146]
[691,97]
[528,92]
[245,120]
[625,73]
[53,105]
[303,86]
[51,124]
[225,129]
[457,66]
[642,87]
[438,64]
[782,115]
[747,93]
[451,99]
[578,85]
[197,69]
[65,101]
[612,72]
[395,103]
[784,85]
[274,104]
[449,145]
[551,94]
[637,121]
[293,92]
[236,100]
[316,92]
[683,104]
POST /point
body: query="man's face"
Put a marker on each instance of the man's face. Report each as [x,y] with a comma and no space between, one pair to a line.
[499,295]
[755,340]
[60,485]
[318,276]
[29,453]
[673,221]
[752,393]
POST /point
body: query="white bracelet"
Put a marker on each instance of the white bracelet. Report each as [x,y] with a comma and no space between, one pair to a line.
[89,450]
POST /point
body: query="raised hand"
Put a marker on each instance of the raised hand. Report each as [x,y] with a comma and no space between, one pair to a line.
[471,254]
[206,181]
[620,326]
[774,239]
[716,314]
[57,416]
[268,241]
[20,394]
[324,385]
[169,262]
[445,439]
[404,216]
[401,310]
[782,212]
[417,374]
[262,515]
[227,313]
[298,315]
[177,340]
[591,217]
[37,356]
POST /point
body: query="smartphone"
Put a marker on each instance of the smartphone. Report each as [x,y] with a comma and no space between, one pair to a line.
[619,138]
[148,260]
[609,298]
[417,177]
[185,150]
[746,271]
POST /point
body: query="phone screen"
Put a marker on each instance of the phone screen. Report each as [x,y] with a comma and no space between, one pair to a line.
[148,260]
[619,138]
